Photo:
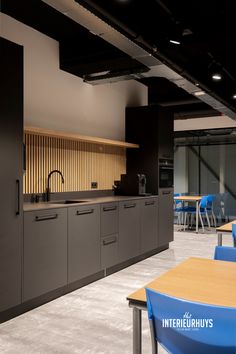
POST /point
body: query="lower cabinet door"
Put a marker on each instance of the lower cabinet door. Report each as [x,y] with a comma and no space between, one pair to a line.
[45,252]
[84,252]
[129,230]
[165,219]
[109,251]
[149,221]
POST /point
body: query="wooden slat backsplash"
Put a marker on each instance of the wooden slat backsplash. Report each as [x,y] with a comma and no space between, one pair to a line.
[80,163]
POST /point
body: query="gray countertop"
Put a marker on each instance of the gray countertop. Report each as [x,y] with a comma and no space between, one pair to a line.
[87,201]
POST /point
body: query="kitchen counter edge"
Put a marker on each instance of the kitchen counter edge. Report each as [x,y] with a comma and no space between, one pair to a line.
[88,201]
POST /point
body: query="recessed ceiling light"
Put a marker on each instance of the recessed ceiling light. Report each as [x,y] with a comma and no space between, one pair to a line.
[197,84]
[199,93]
[174,41]
[216,77]
[234,96]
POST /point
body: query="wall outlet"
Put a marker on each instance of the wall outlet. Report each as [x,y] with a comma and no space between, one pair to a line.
[94,185]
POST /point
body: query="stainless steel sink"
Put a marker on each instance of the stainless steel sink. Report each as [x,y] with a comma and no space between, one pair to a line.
[68,201]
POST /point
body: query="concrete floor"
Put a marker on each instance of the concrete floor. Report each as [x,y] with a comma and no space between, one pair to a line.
[96,319]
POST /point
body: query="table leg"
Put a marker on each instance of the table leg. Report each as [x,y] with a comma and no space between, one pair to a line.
[219,238]
[197,211]
[137,331]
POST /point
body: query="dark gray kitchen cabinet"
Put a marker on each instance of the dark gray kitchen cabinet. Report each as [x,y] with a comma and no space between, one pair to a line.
[165,218]
[109,219]
[166,135]
[109,234]
[84,257]
[152,128]
[109,251]
[45,251]
[129,229]
[149,221]
[11,148]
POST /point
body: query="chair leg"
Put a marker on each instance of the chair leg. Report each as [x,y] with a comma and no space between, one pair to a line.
[185,220]
[200,217]
[191,221]
[208,221]
[214,218]
[153,339]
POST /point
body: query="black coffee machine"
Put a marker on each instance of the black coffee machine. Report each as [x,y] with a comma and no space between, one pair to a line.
[131,184]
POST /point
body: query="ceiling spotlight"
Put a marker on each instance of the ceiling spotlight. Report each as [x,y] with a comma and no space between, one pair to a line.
[186,32]
[216,77]
[234,96]
[199,93]
[174,42]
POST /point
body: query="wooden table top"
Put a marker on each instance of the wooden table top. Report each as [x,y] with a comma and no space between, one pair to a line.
[190,198]
[226,227]
[196,279]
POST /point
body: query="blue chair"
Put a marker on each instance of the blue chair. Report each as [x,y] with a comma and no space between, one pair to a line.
[210,208]
[178,210]
[202,211]
[185,327]
[224,253]
[234,234]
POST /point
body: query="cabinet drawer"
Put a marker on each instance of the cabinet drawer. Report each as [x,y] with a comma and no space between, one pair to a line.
[109,219]
[109,251]
[45,251]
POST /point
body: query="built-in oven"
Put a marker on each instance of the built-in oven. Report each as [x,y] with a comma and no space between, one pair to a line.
[166,173]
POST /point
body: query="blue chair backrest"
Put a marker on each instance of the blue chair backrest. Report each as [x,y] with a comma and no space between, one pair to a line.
[234,233]
[210,199]
[224,253]
[203,202]
[185,327]
[177,201]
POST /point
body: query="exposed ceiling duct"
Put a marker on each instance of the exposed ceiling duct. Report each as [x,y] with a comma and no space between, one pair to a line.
[113,76]
[206,140]
[139,51]
[206,137]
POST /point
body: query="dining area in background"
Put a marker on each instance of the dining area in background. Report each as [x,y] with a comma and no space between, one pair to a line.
[187,213]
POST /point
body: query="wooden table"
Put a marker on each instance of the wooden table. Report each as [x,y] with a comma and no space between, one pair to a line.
[196,279]
[191,198]
[224,229]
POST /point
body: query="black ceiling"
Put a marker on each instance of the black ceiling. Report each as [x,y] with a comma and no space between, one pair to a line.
[205,29]
[82,53]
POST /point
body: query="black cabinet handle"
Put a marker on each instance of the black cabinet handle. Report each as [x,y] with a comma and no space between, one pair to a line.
[127,206]
[46,217]
[166,192]
[149,203]
[111,208]
[18,197]
[109,241]
[84,212]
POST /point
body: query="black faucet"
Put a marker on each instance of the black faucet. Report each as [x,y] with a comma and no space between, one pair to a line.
[48,183]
